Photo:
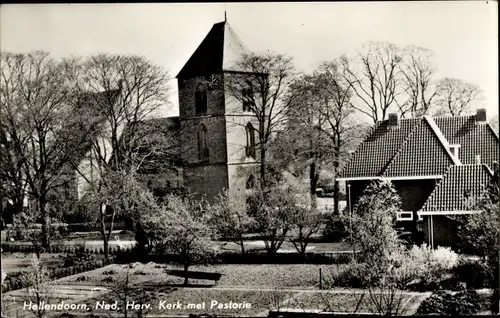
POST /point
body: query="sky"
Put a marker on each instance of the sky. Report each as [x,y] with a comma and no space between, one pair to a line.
[463,35]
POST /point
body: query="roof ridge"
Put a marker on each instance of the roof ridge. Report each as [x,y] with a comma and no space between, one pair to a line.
[442,139]
[450,117]
[368,134]
[400,148]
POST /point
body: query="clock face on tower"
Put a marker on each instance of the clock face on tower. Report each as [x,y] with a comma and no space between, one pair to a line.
[215,81]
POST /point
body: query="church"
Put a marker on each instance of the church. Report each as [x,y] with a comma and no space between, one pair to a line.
[215,132]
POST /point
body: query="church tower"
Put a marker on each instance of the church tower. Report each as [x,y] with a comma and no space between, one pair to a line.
[218,130]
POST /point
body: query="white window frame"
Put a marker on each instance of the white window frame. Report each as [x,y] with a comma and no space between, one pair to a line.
[400,217]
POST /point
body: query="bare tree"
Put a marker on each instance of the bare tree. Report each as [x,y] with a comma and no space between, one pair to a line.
[116,95]
[417,70]
[36,108]
[274,208]
[306,223]
[230,217]
[118,193]
[375,77]
[324,119]
[268,77]
[455,97]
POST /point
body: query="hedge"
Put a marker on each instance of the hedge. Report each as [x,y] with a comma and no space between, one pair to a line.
[14,281]
[58,249]
[233,257]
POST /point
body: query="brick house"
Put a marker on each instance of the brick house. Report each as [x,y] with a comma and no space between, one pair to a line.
[437,165]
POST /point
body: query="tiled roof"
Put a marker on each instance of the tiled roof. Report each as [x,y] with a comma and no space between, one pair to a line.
[459,188]
[473,138]
[219,51]
[377,150]
[420,146]
[413,157]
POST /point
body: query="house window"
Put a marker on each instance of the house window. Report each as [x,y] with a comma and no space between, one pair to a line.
[247,97]
[404,216]
[250,147]
[201,99]
[202,143]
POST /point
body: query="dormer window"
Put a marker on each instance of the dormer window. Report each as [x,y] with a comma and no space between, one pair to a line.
[200,97]
[454,150]
[247,97]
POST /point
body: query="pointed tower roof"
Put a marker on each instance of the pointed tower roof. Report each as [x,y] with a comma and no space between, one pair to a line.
[219,51]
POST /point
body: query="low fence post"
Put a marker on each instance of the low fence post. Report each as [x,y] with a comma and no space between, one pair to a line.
[320,279]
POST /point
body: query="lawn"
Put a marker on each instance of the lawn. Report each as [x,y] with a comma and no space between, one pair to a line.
[266,275]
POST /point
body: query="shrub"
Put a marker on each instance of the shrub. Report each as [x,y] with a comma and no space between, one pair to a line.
[79,256]
[335,230]
[354,275]
[109,272]
[108,279]
[81,278]
[422,267]
[465,302]
[474,273]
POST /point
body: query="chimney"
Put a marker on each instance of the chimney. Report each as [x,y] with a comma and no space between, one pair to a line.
[393,120]
[480,115]
[478,159]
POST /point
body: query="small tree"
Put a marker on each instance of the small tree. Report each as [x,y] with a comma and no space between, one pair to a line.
[117,194]
[274,208]
[230,219]
[307,223]
[38,290]
[372,223]
[180,227]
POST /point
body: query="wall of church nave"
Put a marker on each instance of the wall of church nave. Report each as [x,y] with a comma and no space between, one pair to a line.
[206,180]
[164,182]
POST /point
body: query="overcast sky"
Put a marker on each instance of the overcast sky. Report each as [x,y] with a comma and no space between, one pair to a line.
[462,35]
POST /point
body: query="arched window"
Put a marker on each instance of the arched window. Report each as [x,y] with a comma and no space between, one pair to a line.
[200,97]
[202,143]
[250,147]
[247,97]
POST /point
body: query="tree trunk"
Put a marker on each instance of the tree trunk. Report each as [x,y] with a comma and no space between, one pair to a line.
[242,244]
[313,181]
[106,247]
[262,166]
[186,278]
[42,205]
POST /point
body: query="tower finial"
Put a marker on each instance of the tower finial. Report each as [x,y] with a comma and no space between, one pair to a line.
[225,16]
